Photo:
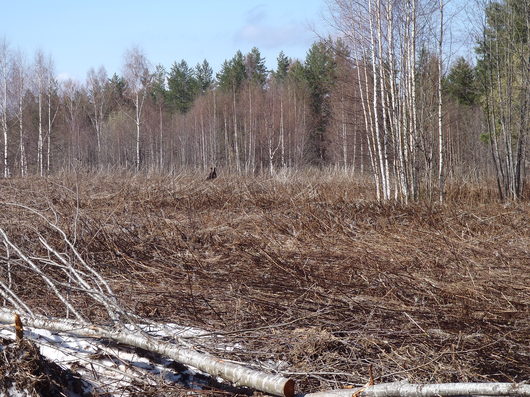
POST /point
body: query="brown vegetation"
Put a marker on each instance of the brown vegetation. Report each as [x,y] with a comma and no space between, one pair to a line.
[24,371]
[308,275]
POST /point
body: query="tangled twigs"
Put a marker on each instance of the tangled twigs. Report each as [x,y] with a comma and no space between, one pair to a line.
[50,281]
[86,280]
[272,384]
[306,275]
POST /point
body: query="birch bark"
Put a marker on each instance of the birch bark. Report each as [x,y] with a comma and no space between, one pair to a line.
[271,384]
[431,390]
[4,78]
[441,165]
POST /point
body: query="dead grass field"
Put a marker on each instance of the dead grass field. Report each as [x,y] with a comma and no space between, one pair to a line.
[308,275]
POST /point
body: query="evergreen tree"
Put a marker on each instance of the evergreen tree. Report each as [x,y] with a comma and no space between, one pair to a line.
[283,67]
[504,74]
[255,67]
[224,76]
[232,73]
[297,72]
[461,83]
[182,86]
[342,52]
[204,75]
[158,86]
[117,86]
[320,76]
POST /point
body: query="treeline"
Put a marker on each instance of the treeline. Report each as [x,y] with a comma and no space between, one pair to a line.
[245,117]
[379,100]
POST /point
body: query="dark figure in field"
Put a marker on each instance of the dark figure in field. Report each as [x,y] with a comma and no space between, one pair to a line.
[213,174]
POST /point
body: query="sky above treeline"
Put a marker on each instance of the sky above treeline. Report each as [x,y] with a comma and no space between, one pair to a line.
[80,34]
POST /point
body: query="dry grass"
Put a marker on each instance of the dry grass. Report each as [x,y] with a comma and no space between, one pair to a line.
[305,270]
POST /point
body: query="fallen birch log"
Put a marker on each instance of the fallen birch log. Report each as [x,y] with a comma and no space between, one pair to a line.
[429,390]
[237,374]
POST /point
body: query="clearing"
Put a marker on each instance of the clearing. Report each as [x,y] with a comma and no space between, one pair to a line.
[306,276]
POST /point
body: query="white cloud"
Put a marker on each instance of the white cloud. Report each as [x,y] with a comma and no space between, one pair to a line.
[272,32]
[271,37]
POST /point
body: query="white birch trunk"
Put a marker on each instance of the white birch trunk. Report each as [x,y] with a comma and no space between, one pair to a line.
[368,122]
[160,138]
[237,374]
[236,137]
[138,77]
[97,127]
[441,165]
[249,146]
[203,145]
[213,132]
[375,104]
[396,122]
[49,133]
[19,88]
[40,75]
[40,142]
[430,390]
[23,161]
[271,158]
[412,133]
[412,65]
[137,121]
[384,103]
[506,124]
[282,131]
[4,75]
[354,154]
[343,132]
[292,155]
[4,118]
[228,152]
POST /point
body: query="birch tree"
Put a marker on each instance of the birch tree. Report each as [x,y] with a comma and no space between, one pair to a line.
[368,29]
[51,89]
[206,86]
[384,37]
[19,85]
[4,62]
[71,91]
[40,73]
[231,78]
[158,95]
[280,78]
[504,69]
[441,144]
[96,85]
[138,78]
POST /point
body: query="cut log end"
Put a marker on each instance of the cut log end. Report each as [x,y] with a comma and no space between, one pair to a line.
[19,328]
[288,388]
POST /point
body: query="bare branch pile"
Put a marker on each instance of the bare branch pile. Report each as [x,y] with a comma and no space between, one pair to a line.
[307,277]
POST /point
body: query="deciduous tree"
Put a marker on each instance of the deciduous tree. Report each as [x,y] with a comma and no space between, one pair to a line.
[98,98]
[139,78]
[4,63]
[504,66]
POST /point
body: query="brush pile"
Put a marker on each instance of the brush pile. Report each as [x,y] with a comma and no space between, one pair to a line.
[307,276]
[25,372]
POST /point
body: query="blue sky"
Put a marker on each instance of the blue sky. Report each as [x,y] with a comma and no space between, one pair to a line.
[80,34]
